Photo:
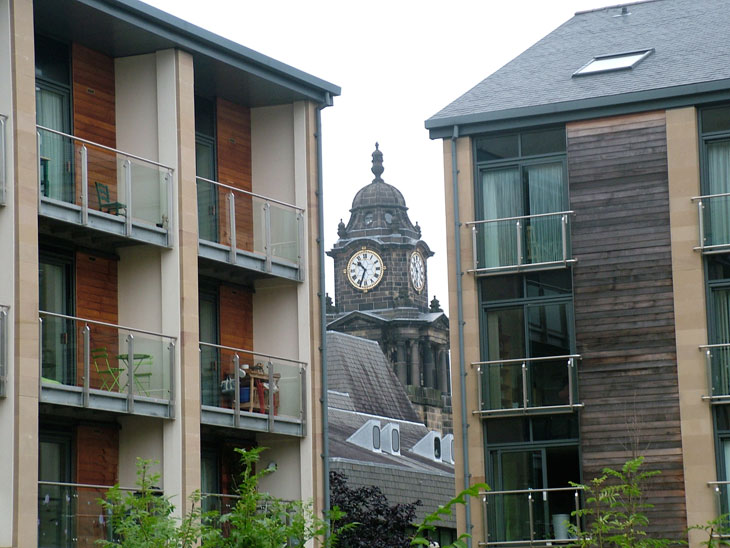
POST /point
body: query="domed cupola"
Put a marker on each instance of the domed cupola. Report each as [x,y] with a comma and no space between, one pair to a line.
[379,209]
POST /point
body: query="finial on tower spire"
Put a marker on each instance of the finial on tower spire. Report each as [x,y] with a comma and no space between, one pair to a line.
[377,168]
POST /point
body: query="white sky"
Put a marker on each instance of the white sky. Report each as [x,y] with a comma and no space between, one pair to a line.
[398,62]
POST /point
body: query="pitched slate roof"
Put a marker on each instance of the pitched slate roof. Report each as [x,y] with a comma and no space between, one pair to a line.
[357,367]
[691,55]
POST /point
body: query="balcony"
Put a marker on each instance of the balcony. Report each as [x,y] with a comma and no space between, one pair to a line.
[249,231]
[3,161]
[516,244]
[4,351]
[528,517]
[114,193]
[722,497]
[713,212]
[717,363]
[527,385]
[236,390]
[101,366]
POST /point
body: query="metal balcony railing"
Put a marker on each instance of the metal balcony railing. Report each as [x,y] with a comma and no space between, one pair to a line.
[529,516]
[252,383]
[717,367]
[249,222]
[3,161]
[713,213]
[538,242]
[4,350]
[104,180]
[722,499]
[105,359]
[69,514]
[538,385]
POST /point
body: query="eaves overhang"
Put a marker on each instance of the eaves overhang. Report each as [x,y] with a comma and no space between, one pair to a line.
[121,28]
[582,109]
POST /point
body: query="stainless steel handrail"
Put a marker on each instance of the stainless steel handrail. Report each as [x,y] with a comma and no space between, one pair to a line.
[252,353]
[105,324]
[92,486]
[104,147]
[521,360]
[527,491]
[694,198]
[249,193]
[521,217]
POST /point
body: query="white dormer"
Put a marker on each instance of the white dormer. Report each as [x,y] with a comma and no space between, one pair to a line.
[429,446]
[390,436]
[447,448]
[368,436]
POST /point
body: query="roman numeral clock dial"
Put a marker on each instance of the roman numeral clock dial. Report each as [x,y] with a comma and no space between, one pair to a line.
[365,269]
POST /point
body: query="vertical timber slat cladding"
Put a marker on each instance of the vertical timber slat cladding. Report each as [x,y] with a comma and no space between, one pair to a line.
[97,463]
[624,313]
[236,325]
[94,118]
[96,299]
[233,125]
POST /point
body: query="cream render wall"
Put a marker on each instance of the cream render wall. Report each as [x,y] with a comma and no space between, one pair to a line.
[471,331]
[690,317]
[272,152]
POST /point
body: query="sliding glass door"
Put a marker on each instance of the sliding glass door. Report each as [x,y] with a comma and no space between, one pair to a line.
[57,334]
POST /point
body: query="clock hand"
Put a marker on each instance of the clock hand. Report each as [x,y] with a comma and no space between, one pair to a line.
[362,278]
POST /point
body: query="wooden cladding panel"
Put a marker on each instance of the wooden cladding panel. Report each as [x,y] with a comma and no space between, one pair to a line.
[97,463]
[624,312]
[236,324]
[94,118]
[233,125]
[96,299]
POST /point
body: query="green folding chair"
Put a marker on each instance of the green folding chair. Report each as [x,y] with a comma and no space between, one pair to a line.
[102,193]
[108,375]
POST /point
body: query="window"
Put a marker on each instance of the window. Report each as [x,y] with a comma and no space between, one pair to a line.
[376,438]
[395,440]
[611,63]
[56,503]
[437,448]
[58,335]
[209,356]
[53,111]
[521,194]
[205,166]
[521,333]
[715,137]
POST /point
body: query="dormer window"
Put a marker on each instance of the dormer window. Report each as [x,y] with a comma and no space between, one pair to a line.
[376,437]
[437,448]
[395,440]
[610,63]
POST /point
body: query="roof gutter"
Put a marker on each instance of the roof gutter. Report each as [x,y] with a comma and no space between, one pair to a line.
[323,316]
[460,329]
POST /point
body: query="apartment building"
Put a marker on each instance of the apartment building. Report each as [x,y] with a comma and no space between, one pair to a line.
[159,265]
[587,211]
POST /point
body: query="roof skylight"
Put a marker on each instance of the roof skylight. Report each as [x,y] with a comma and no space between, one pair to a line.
[609,63]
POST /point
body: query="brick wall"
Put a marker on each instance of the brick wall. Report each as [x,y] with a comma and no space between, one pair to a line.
[96,299]
[234,169]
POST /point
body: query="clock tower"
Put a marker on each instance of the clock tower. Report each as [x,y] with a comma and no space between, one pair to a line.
[381,293]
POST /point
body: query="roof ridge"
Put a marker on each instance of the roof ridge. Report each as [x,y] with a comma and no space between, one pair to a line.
[614,6]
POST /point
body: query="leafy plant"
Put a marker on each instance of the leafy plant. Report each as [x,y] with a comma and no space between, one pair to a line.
[615,509]
[427,527]
[717,531]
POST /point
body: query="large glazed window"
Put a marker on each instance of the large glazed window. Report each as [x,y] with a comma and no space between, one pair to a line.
[522,198]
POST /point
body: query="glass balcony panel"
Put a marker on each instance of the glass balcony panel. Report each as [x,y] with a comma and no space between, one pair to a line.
[504,386]
[287,389]
[284,233]
[57,167]
[149,191]
[210,203]
[720,367]
[544,239]
[63,357]
[497,244]
[105,186]
[716,220]
[70,516]
[549,383]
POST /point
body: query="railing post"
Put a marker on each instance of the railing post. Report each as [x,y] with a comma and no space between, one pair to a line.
[170,210]
[237,391]
[172,396]
[701,218]
[531,511]
[128,190]
[564,229]
[40,168]
[87,363]
[303,399]
[524,385]
[300,235]
[577,509]
[480,394]
[232,225]
[84,185]
[267,234]
[519,243]
[130,373]
[270,367]
[708,362]
[40,357]
[474,246]
[3,162]
[571,370]
[485,517]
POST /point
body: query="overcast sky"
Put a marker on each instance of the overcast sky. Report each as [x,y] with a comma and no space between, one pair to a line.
[398,62]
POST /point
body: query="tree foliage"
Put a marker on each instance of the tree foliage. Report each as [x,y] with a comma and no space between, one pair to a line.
[368,518]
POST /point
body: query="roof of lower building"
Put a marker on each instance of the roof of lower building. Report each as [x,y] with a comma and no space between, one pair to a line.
[689,54]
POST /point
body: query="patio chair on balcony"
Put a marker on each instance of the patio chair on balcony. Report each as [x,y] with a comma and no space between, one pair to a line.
[108,375]
[102,193]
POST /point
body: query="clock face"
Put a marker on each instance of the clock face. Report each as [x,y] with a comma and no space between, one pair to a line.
[365,269]
[418,271]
